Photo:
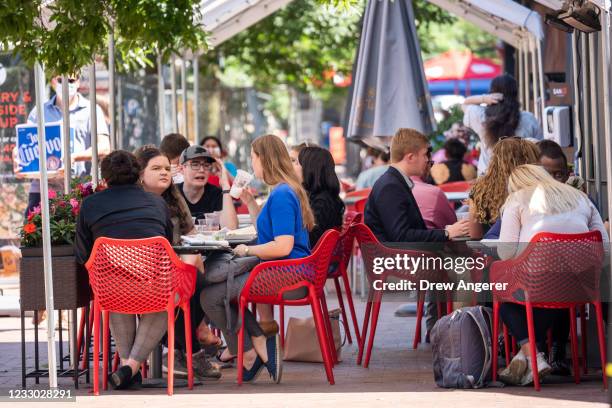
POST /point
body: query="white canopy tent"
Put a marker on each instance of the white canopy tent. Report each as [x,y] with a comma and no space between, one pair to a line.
[516,25]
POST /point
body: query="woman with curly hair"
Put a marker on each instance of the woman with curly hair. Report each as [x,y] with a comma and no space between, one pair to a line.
[502,116]
[490,191]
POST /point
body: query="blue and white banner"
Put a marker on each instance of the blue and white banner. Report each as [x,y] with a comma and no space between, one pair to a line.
[27,147]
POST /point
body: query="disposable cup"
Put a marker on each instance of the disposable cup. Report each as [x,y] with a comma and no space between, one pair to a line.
[241,180]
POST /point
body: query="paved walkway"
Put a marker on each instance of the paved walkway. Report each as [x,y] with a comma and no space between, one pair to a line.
[397,376]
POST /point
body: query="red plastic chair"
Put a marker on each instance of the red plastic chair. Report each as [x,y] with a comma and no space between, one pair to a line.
[556,271]
[137,276]
[360,205]
[371,248]
[364,193]
[270,280]
[456,186]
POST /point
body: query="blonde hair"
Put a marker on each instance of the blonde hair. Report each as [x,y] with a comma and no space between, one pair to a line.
[277,168]
[407,141]
[547,195]
[490,191]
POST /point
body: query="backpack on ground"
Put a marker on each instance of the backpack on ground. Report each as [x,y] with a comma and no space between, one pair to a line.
[461,345]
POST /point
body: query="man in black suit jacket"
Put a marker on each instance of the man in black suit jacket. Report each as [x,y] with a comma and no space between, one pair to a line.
[392,212]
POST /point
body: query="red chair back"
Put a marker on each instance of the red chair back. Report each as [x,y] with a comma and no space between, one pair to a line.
[359,193]
[269,280]
[553,270]
[350,218]
[456,186]
[371,248]
[360,206]
[138,275]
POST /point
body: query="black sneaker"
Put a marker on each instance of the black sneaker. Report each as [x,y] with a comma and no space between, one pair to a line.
[275,362]
[252,374]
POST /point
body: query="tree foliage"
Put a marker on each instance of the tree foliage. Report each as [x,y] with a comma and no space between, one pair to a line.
[65,35]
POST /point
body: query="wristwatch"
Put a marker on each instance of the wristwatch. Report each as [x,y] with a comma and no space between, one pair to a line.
[246,251]
[225,191]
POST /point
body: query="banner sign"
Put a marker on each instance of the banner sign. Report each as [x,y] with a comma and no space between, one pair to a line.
[27,147]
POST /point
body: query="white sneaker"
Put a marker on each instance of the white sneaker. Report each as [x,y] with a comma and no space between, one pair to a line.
[543,369]
[515,370]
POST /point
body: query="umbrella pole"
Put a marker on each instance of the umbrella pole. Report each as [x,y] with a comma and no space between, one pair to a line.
[184,97]
[173,87]
[196,98]
[576,107]
[595,118]
[161,89]
[39,80]
[111,88]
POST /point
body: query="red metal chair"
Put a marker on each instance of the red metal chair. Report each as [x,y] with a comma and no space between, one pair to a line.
[556,271]
[139,276]
[456,186]
[270,280]
[372,248]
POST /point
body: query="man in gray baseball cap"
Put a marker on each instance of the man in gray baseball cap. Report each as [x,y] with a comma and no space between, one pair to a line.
[196,152]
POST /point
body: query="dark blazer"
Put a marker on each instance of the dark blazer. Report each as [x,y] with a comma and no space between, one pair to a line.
[392,213]
[123,212]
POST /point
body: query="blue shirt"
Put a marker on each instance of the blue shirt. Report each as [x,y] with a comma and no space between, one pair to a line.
[282,215]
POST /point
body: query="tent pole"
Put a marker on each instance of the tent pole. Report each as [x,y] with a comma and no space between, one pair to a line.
[541,77]
[111,88]
[525,50]
[595,118]
[534,78]
[576,107]
[184,96]
[196,97]
[93,123]
[607,82]
[586,120]
[161,90]
[521,78]
[173,88]
[66,159]
[39,80]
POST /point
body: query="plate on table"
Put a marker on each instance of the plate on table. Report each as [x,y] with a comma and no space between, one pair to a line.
[246,233]
[200,239]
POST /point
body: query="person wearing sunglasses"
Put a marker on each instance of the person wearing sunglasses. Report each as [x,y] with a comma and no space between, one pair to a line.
[201,196]
[79,115]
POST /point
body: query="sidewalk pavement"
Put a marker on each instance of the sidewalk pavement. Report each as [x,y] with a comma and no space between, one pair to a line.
[397,376]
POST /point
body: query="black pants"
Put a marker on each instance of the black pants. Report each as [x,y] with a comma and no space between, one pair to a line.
[515,317]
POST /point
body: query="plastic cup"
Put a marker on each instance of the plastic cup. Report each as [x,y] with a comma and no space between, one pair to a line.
[241,180]
[212,224]
[463,216]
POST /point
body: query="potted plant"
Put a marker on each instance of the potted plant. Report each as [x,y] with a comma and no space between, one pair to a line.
[70,281]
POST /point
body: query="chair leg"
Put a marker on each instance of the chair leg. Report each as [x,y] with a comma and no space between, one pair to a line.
[574,343]
[188,345]
[96,350]
[349,298]
[105,348]
[320,329]
[532,346]
[364,331]
[494,341]
[602,342]
[343,311]
[375,312]
[170,312]
[328,330]
[419,317]
[240,363]
[506,344]
[583,337]
[281,329]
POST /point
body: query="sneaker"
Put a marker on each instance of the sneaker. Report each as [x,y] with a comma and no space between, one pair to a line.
[252,374]
[543,369]
[514,373]
[203,369]
[275,362]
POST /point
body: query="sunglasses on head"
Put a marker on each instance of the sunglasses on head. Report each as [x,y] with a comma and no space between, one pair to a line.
[510,137]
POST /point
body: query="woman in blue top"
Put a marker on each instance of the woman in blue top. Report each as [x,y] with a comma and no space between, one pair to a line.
[285,219]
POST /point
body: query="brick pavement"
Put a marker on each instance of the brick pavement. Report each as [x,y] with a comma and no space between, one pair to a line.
[398,376]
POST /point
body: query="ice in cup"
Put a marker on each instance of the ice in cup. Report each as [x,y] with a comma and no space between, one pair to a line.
[241,180]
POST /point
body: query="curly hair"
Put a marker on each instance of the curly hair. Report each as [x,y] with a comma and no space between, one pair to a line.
[173,198]
[120,168]
[491,190]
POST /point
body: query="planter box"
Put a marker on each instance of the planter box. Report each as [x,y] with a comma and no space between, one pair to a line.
[70,281]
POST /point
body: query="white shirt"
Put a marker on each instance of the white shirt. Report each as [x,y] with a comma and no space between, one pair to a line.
[474,118]
[520,224]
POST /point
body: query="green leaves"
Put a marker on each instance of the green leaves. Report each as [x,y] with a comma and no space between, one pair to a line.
[68,34]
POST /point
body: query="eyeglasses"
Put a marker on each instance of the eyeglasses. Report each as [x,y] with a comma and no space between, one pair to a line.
[70,80]
[510,137]
[200,165]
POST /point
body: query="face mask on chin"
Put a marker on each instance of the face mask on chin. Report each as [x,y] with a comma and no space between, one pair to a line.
[72,89]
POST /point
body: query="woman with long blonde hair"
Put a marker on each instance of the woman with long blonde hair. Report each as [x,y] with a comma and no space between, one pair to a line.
[539,203]
[490,191]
